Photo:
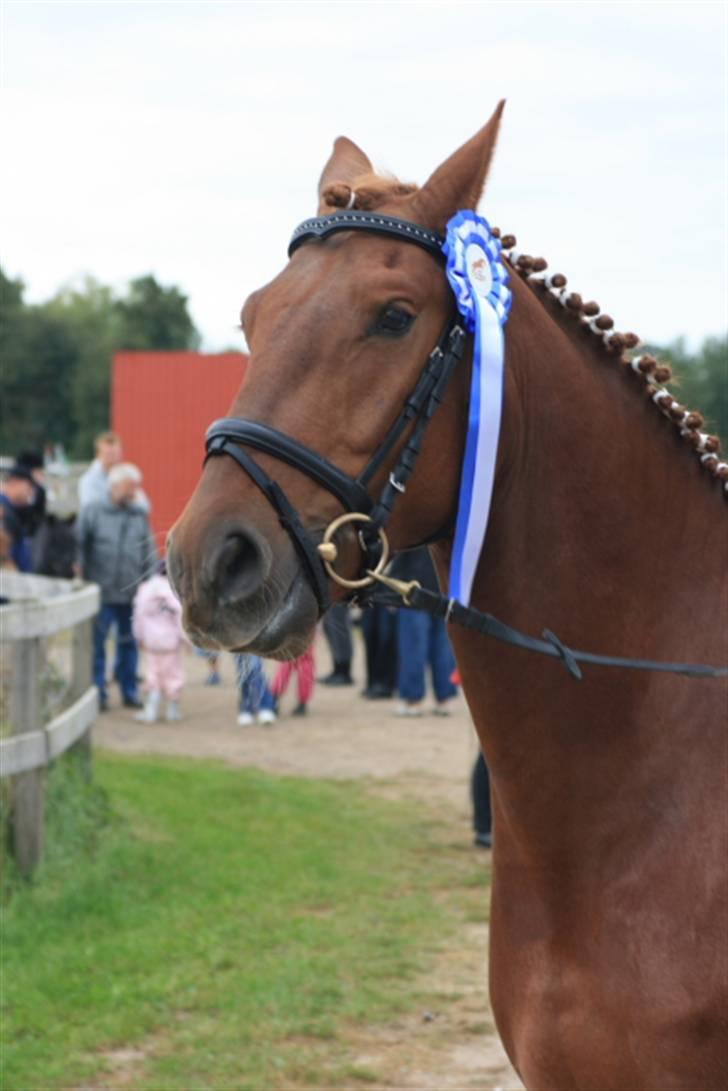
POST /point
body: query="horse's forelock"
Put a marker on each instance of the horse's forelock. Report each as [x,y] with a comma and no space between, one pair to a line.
[367,192]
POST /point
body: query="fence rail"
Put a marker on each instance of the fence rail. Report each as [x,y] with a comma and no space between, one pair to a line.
[36,609]
[20,753]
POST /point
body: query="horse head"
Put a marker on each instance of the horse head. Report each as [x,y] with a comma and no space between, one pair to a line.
[338,341]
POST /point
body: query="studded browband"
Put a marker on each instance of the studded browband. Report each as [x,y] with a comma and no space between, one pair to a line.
[320,227]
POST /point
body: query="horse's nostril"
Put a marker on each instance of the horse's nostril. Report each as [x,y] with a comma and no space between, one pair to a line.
[238,569]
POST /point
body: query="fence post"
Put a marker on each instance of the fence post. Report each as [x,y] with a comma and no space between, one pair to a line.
[80,682]
[28,788]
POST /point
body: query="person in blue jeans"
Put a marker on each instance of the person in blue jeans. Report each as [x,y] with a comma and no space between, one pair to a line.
[422,642]
[116,616]
[117,551]
[257,703]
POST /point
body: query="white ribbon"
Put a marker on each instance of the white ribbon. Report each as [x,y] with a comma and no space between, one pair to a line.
[480,282]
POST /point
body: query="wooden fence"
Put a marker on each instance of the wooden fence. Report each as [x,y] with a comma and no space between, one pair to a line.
[38,608]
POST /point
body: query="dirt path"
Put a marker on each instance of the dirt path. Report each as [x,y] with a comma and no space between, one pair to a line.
[427,759]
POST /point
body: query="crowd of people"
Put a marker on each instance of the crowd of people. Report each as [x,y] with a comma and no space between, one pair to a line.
[112,544]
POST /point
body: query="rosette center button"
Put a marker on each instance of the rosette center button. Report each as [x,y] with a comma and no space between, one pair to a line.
[478,269]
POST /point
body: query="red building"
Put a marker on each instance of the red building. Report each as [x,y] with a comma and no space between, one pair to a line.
[161,405]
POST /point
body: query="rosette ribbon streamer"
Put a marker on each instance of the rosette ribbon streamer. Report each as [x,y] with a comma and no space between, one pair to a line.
[479,279]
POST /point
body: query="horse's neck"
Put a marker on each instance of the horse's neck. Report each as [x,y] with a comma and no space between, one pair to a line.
[597,532]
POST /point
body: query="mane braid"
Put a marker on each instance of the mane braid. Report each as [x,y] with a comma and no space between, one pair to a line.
[651,371]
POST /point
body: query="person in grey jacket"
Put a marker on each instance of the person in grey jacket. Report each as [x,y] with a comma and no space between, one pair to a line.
[117,551]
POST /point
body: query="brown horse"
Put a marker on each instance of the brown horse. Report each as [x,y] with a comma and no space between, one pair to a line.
[608,965]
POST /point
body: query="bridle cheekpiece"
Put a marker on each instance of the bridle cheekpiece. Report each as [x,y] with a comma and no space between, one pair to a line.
[232,435]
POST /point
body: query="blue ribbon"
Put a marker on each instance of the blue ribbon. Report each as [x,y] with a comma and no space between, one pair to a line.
[479,280]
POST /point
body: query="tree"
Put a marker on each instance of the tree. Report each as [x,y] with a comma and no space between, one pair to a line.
[38,355]
[56,356]
[701,380]
[11,298]
[88,312]
[155,317]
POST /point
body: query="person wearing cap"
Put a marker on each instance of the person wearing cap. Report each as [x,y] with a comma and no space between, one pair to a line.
[117,551]
[17,492]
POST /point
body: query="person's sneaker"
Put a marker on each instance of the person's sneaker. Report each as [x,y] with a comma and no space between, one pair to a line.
[441,708]
[103,704]
[300,710]
[376,692]
[149,712]
[266,716]
[213,679]
[173,712]
[133,702]
[483,840]
[245,719]
[409,708]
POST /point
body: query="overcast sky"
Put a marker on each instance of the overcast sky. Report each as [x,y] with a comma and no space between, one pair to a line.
[186,139]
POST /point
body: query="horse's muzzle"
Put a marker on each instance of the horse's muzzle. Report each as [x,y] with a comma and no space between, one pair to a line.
[240,597]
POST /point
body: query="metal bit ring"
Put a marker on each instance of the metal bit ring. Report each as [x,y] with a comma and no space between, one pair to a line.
[328,551]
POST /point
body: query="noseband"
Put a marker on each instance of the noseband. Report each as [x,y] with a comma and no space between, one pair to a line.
[231,435]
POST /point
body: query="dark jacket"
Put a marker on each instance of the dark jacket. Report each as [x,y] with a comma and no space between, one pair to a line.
[55,549]
[117,549]
[32,516]
[19,549]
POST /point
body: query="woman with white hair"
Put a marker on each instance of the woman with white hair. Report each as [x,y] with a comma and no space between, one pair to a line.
[117,552]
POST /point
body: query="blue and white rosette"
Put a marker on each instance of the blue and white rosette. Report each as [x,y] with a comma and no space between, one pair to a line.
[479,279]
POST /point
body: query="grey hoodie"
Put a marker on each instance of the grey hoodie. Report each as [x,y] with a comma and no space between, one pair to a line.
[117,548]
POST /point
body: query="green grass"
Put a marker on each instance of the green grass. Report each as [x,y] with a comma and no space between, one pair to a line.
[227,924]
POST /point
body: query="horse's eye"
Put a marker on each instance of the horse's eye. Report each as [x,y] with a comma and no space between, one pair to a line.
[393,322]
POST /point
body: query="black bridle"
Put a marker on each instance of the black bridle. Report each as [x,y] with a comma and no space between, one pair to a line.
[227,435]
[231,435]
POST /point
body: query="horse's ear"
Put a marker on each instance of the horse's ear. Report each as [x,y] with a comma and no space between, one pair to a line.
[459,181]
[346,163]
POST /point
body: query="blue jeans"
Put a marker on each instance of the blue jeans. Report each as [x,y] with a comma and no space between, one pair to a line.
[254,692]
[118,614]
[423,640]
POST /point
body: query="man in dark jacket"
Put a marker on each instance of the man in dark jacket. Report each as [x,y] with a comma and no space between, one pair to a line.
[33,515]
[17,492]
[117,552]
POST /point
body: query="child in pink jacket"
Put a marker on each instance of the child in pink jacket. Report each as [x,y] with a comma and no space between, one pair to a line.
[157,628]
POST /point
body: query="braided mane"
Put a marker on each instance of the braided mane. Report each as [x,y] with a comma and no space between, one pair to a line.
[651,371]
[371,191]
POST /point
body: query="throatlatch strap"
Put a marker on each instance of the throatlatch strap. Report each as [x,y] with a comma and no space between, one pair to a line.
[399,477]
